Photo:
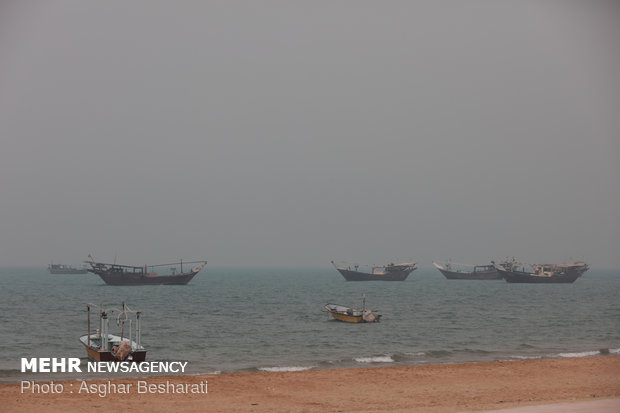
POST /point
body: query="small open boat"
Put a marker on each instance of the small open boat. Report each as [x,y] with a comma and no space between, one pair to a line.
[103,346]
[349,315]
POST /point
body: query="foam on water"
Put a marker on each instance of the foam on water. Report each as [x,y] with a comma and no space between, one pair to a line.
[376,359]
[286,368]
[580,354]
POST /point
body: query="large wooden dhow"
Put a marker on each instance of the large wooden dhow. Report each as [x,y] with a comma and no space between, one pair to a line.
[101,345]
[389,272]
[467,272]
[114,274]
[514,272]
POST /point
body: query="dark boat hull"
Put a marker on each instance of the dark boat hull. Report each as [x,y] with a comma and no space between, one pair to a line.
[122,278]
[486,275]
[76,271]
[354,318]
[523,277]
[364,276]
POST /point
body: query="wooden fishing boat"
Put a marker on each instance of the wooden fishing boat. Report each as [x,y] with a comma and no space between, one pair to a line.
[389,272]
[115,274]
[514,272]
[349,315]
[467,272]
[102,346]
[65,269]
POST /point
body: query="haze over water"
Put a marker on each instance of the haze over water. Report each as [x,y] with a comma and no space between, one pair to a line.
[287,134]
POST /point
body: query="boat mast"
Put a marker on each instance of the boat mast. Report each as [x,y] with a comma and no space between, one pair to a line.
[138,328]
[105,326]
[123,322]
[100,312]
[88,332]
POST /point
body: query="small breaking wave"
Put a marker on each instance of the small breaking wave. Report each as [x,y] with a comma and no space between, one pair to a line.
[375,359]
[576,354]
[285,368]
[416,354]
[581,354]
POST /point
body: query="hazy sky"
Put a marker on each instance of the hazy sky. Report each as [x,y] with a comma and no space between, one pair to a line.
[284,133]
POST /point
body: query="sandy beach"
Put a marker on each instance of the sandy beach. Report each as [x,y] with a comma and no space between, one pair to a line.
[428,388]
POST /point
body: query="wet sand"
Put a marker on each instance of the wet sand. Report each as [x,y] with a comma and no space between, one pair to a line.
[429,388]
[597,406]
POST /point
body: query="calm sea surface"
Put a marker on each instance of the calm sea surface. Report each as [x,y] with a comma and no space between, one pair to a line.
[229,320]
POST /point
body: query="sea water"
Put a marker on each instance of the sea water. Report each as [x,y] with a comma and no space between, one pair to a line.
[260,319]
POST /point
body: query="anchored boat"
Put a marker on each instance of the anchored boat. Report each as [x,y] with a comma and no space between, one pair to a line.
[349,315]
[467,272]
[389,272]
[65,269]
[102,346]
[514,272]
[115,274]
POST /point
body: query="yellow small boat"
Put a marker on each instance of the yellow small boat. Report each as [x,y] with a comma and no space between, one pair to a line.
[349,315]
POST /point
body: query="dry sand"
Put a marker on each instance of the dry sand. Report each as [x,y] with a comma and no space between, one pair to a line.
[430,388]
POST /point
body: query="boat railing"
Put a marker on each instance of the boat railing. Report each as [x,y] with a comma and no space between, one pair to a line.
[139,269]
[457,264]
[104,316]
[346,265]
[177,263]
[100,265]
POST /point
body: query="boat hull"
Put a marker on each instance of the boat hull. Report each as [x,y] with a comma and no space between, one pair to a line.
[456,275]
[524,277]
[356,317]
[68,271]
[364,276]
[97,354]
[348,318]
[65,269]
[123,278]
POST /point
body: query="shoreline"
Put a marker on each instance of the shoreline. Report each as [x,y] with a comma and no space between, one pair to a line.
[424,388]
[16,376]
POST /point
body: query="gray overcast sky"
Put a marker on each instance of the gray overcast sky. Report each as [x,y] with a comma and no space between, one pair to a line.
[284,133]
